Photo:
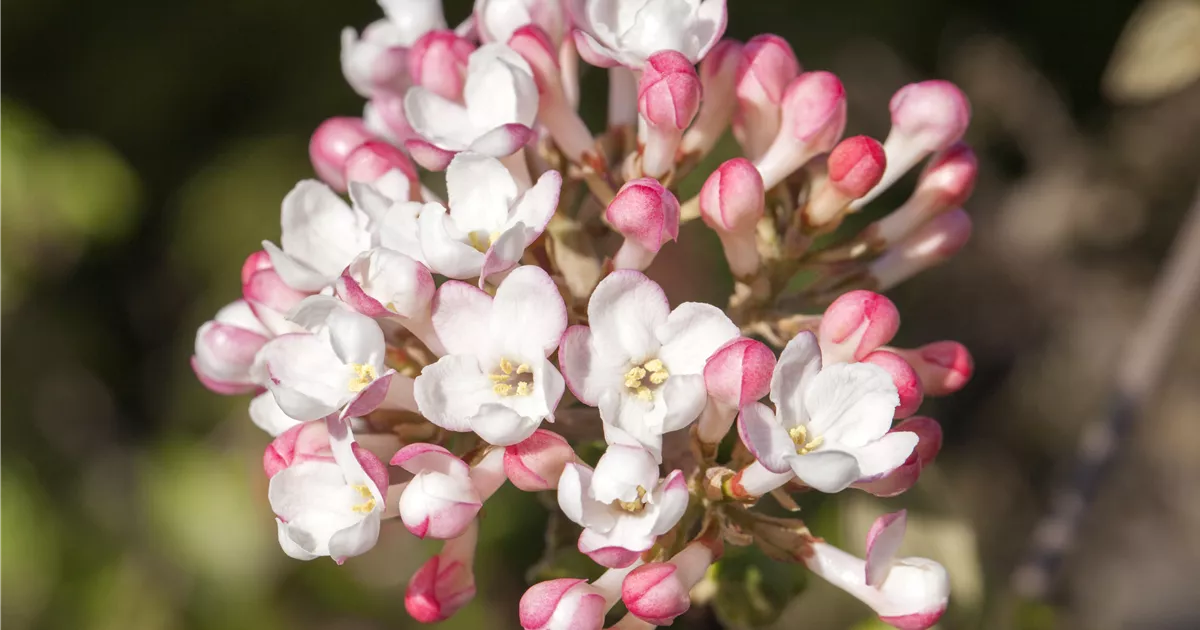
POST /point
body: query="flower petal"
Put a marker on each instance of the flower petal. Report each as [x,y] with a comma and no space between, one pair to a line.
[320,229]
[826,471]
[461,318]
[691,334]
[266,415]
[442,122]
[625,310]
[502,141]
[886,454]
[528,310]
[356,539]
[621,471]
[883,541]
[450,392]
[505,251]
[294,273]
[851,404]
[576,502]
[586,371]
[500,425]
[671,500]
[443,250]
[480,191]
[684,397]
[766,438]
[306,377]
[799,362]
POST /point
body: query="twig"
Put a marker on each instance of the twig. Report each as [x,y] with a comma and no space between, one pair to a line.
[1140,374]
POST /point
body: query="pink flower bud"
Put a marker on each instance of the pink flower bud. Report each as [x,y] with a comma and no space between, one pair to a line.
[718,72]
[647,215]
[926,117]
[855,165]
[653,593]
[446,582]
[562,604]
[537,463]
[269,297]
[257,261]
[813,118]
[856,324]
[908,385]
[766,67]
[930,245]
[384,166]
[310,442]
[441,501]
[331,144]
[227,348]
[668,99]
[438,62]
[554,108]
[929,436]
[739,373]
[944,367]
[945,184]
[669,90]
[732,202]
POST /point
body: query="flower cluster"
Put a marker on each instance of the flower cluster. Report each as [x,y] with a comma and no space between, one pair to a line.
[451,338]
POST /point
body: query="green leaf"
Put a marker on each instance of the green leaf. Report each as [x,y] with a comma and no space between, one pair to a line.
[752,589]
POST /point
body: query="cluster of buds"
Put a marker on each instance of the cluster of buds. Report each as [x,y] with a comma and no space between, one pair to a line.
[448,337]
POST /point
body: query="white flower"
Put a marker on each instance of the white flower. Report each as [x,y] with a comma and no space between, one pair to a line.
[266,415]
[622,505]
[489,223]
[830,426]
[336,368]
[909,593]
[626,32]
[500,104]
[376,62]
[327,494]
[321,235]
[640,362]
[495,379]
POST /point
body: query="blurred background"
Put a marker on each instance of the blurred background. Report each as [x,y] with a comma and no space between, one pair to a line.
[146,146]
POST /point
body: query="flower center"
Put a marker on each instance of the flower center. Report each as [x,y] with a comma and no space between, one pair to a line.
[368,506]
[363,375]
[645,378]
[636,505]
[804,446]
[482,243]
[512,381]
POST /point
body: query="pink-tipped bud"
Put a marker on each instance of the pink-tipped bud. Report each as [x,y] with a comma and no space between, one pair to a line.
[945,184]
[813,119]
[438,62]
[562,604]
[441,501]
[446,582]
[926,117]
[647,215]
[269,297]
[384,166]
[855,325]
[930,245]
[908,384]
[739,373]
[929,443]
[257,261]
[654,593]
[944,367]
[855,166]
[227,348]
[732,202]
[766,67]
[536,463]
[332,143]
[668,91]
[718,72]
[668,99]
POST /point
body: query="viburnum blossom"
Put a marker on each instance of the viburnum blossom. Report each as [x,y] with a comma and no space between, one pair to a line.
[428,330]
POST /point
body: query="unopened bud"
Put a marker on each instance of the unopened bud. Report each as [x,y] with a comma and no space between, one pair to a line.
[659,592]
[269,297]
[732,202]
[944,367]
[932,244]
[647,215]
[855,165]
[438,62]
[226,350]
[440,501]
[908,385]
[929,442]
[737,374]
[562,604]
[945,184]
[926,117]
[766,68]
[536,463]
[383,166]
[668,99]
[813,118]
[446,582]
[855,325]
[331,144]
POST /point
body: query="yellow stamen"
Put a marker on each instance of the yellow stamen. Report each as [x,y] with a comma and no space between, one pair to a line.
[363,375]
[636,505]
[804,445]
[523,389]
[652,370]
[644,393]
[502,389]
[524,369]
[368,506]
[512,380]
